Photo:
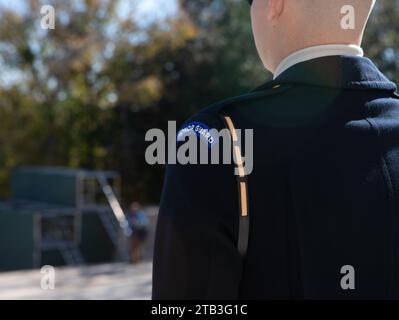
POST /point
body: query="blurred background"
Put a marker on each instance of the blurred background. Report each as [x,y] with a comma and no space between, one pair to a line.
[75,104]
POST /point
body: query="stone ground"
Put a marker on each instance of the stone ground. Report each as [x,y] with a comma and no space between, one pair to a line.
[99,282]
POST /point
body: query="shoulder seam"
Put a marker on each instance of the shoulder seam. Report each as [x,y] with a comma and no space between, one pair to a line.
[218,106]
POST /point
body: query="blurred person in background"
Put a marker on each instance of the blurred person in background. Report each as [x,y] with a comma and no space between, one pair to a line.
[139,224]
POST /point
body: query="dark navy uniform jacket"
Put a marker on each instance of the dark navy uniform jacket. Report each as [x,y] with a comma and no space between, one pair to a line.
[323,193]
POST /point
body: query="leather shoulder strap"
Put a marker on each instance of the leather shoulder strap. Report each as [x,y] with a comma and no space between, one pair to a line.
[242,183]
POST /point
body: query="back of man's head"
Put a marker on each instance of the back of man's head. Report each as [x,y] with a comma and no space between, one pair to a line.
[342,20]
[284,26]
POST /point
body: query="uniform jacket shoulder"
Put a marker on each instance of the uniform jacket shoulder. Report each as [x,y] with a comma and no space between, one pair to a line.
[212,113]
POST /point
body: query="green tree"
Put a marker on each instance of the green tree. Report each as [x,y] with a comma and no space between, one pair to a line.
[89,90]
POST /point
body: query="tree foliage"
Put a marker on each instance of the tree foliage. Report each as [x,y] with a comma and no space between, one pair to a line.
[87,92]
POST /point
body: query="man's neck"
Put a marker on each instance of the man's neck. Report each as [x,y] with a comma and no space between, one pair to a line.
[317,52]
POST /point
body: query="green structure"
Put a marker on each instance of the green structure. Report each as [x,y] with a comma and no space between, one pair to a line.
[16,238]
[62,216]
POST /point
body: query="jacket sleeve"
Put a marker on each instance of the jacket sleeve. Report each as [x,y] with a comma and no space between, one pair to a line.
[196,254]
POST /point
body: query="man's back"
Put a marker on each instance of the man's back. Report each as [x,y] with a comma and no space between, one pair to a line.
[328,164]
[323,194]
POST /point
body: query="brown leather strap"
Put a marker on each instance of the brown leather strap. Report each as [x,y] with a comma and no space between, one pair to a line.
[242,182]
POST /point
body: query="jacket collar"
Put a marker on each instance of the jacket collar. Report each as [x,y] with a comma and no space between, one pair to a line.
[318,52]
[340,72]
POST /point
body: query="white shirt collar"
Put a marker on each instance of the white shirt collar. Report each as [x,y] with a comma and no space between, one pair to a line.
[318,52]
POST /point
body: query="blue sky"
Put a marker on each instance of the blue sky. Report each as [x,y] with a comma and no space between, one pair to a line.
[145,11]
[148,10]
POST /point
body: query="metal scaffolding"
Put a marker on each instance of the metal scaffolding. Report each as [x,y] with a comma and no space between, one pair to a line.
[59,226]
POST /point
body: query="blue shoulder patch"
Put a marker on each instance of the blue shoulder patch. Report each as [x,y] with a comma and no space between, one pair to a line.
[201,130]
